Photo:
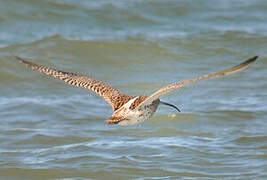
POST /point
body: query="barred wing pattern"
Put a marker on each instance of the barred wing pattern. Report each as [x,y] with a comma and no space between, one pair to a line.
[102,89]
[171,87]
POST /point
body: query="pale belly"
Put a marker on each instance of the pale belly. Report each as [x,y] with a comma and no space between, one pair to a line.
[126,116]
[135,117]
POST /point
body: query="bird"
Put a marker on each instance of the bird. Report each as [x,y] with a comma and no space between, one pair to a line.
[129,110]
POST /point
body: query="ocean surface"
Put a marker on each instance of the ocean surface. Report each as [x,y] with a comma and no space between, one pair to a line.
[51,130]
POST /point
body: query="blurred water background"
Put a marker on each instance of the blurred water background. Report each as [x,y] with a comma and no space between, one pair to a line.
[50,130]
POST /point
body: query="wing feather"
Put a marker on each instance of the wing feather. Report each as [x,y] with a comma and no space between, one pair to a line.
[100,88]
[164,90]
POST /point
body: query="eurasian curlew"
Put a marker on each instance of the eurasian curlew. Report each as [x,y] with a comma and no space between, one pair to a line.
[129,110]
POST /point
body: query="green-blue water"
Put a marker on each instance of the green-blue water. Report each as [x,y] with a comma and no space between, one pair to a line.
[50,130]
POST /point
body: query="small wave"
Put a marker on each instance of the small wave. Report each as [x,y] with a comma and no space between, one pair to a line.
[111,20]
[251,139]
[236,114]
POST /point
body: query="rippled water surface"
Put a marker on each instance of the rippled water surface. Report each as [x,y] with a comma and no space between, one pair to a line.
[50,130]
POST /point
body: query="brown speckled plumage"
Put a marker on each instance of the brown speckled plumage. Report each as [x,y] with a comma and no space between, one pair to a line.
[128,109]
[111,95]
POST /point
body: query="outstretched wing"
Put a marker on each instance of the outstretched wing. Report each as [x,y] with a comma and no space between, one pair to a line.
[102,89]
[176,85]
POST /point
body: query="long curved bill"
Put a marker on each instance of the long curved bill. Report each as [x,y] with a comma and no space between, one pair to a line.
[168,104]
